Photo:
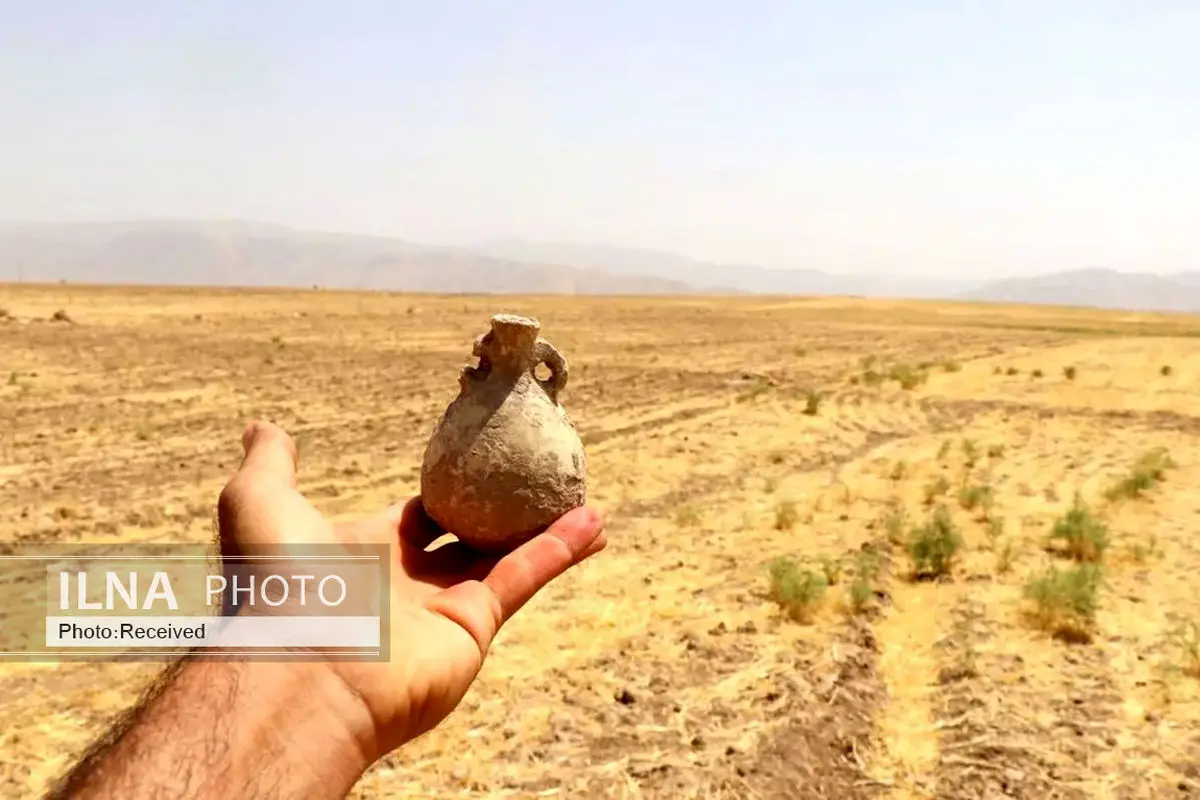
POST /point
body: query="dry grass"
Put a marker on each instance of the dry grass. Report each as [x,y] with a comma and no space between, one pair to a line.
[665,668]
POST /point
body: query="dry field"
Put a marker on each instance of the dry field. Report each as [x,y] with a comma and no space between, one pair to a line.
[670,665]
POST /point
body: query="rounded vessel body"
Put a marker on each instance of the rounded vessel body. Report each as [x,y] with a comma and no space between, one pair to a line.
[505,460]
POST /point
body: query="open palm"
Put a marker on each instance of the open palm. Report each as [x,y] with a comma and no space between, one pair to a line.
[446,604]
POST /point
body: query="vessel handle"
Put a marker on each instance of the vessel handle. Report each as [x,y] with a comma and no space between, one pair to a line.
[548,354]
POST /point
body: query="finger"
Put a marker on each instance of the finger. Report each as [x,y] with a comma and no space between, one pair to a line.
[456,562]
[271,454]
[481,607]
[268,467]
[519,575]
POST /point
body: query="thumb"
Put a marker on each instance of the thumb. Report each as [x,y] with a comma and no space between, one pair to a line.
[268,466]
[270,455]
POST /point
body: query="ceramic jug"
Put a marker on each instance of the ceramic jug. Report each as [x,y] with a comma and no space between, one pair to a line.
[505,460]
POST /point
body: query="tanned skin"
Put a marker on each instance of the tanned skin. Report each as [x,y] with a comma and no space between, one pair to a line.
[261,730]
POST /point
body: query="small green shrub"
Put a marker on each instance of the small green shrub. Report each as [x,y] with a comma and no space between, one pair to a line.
[1070,372]
[862,588]
[970,451]
[1037,373]
[872,378]
[1187,639]
[899,471]
[995,530]
[796,591]
[935,489]
[1084,536]
[866,566]
[687,516]
[1005,555]
[934,546]
[831,568]
[995,451]
[812,402]
[894,523]
[1146,473]
[1012,371]
[951,366]
[859,594]
[908,377]
[1065,601]
[1165,371]
[786,516]
[978,497]
[758,388]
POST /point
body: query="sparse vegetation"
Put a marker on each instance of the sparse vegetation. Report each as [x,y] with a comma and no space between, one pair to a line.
[935,489]
[145,403]
[1065,601]
[995,530]
[859,594]
[894,524]
[977,497]
[1165,370]
[861,590]
[970,453]
[1145,474]
[872,378]
[831,567]
[1006,553]
[1084,537]
[1037,373]
[934,545]
[688,516]
[812,402]
[786,516]
[1187,639]
[796,591]
[908,377]
[950,365]
[1069,372]
[1012,371]
[757,387]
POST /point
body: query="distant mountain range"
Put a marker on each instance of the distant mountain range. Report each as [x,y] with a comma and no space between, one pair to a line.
[256,254]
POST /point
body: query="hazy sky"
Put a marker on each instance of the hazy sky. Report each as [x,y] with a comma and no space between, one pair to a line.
[931,138]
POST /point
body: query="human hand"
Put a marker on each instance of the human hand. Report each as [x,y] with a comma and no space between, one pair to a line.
[446,604]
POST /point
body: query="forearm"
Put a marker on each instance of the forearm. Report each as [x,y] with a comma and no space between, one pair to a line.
[221,730]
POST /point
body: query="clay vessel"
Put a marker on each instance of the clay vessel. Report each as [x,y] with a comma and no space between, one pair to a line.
[505,460]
